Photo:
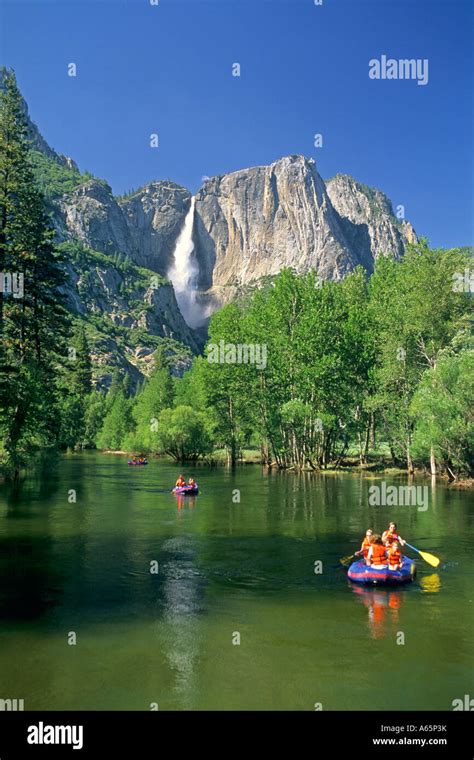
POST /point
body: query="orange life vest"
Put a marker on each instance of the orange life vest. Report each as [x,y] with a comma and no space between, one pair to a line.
[378,555]
[365,546]
[394,557]
[387,536]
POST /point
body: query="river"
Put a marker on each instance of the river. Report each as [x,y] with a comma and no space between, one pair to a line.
[235,616]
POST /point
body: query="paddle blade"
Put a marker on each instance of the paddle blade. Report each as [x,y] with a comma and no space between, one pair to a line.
[346,560]
[430,558]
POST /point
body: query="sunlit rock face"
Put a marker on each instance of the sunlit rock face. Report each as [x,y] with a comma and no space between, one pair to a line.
[252,223]
[256,221]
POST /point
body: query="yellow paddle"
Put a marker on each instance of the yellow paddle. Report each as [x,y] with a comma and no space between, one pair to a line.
[429,558]
[345,560]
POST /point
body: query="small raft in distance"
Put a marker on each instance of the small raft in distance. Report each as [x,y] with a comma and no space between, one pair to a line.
[359,572]
[137,464]
[186,490]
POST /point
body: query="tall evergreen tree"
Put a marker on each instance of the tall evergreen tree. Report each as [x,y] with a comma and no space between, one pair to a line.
[33,320]
[116,385]
[76,387]
[81,367]
[156,395]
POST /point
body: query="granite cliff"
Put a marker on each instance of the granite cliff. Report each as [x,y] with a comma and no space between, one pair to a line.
[247,226]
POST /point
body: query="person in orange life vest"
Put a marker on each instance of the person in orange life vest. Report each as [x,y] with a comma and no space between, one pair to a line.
[390,535]
[376,556]
[365,544]
[180,482]
[394,556]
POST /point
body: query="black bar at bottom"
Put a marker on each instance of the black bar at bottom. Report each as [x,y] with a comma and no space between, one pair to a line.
[137,734]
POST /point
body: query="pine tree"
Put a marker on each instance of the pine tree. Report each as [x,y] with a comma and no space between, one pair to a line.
[76,388]
[116,385]
[156,394]
[117,423]
[81,376]
[33,320]
[127,385]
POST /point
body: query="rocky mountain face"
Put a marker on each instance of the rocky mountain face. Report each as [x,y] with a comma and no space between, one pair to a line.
[369,220]
[247,226]
[129,312]
[121,250]
[252,223]
[154,218]
[144,226]
[117,252]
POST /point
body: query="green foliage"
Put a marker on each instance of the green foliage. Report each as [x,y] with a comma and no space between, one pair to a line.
[71,431]
[184,433]
[33,323]
[343,360]
[190,389]
[443,412]
[95,411]
[227,386]
[156,394]
[76,387]
[55,179]
[417,313]
[118,423]
[81,366]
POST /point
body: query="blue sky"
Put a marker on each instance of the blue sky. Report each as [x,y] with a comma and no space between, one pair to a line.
[167,69]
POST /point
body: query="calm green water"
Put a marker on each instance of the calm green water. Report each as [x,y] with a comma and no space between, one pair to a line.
[224,568]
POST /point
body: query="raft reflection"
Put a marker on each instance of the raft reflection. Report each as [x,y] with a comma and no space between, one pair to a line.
[382,605]
[183,501]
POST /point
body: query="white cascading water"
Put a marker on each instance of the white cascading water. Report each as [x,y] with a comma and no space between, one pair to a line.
[184,273]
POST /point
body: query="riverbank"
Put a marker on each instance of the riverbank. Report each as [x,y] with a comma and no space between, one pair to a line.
[349,465]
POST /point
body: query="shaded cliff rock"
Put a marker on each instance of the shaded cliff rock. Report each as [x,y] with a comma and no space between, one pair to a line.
[144,226]
[126,308]
[91,214]
[373,228]
[154,216]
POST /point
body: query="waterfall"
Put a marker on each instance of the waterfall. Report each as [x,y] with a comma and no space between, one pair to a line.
[184,272]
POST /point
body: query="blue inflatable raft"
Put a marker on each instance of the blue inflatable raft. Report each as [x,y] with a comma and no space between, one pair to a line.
[359,572]
[186,490]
